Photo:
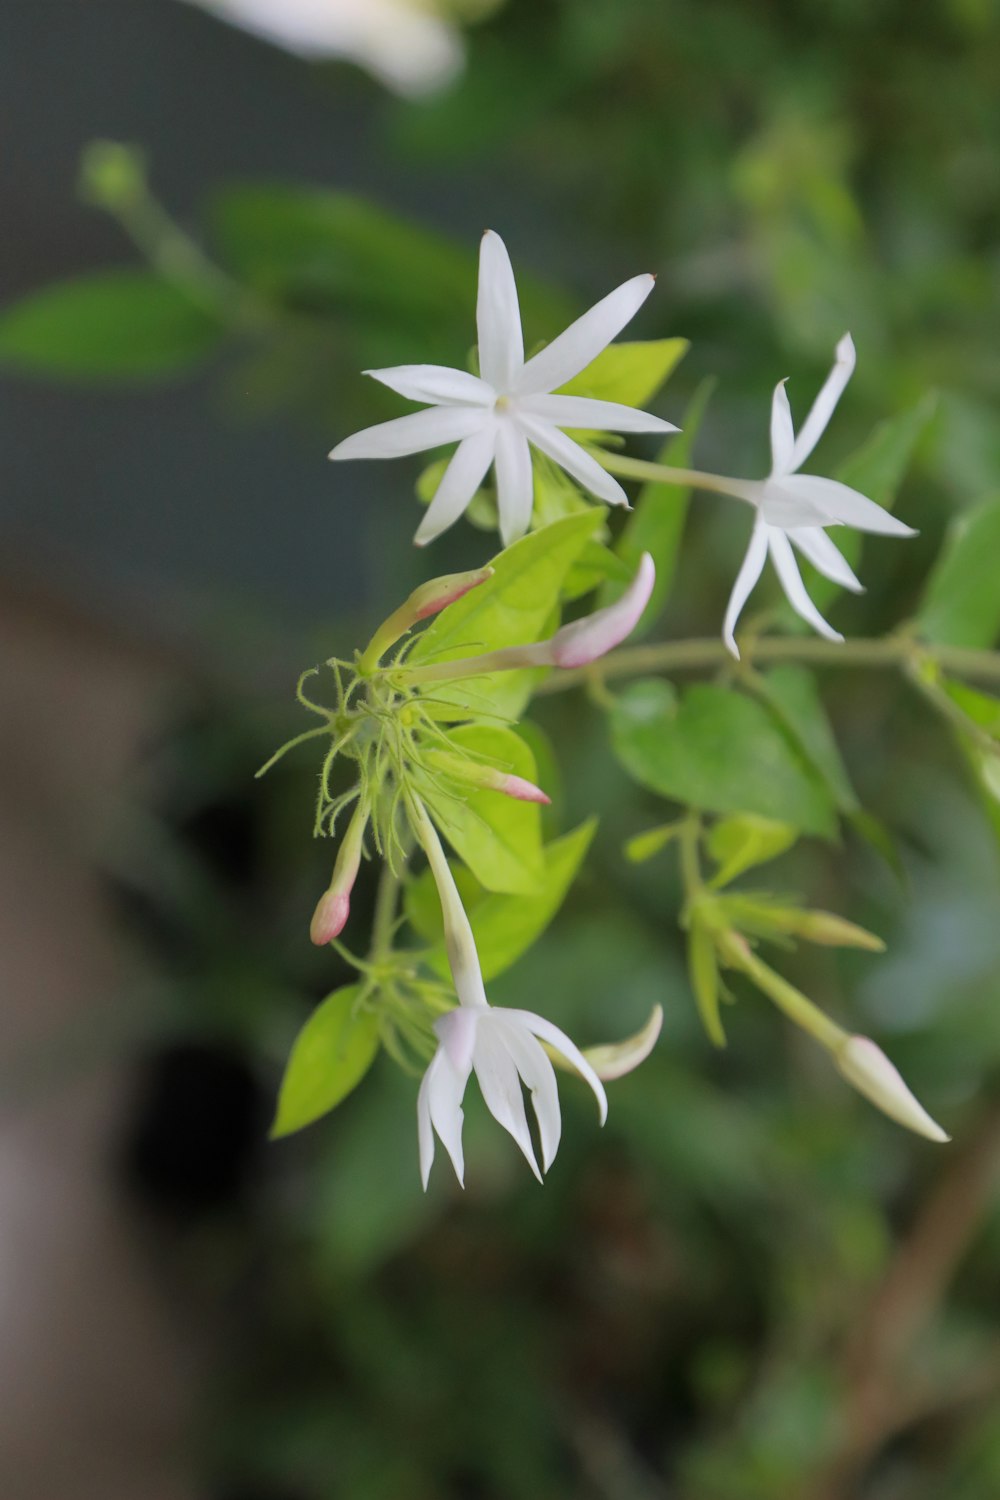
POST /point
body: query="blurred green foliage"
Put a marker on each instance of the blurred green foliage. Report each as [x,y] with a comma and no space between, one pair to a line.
[750,1285]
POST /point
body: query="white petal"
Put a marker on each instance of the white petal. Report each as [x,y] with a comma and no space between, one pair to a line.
[439,1104]
[615,1059]
[600,416]
[546,1032]
[583,340]
[501,1086]
[413,433]
[746,580]
[571,457]
[437,384]
[498,316]
[844,505]
[826,558]
[782,431]
[515,482]
[823,407]
[460,481]
[791,581]
[782,505]
[457,1034]
[539,1077]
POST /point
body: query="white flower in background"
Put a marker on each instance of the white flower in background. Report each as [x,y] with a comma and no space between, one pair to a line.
[793,509]
[405,44]
[497,416]
[502,1048]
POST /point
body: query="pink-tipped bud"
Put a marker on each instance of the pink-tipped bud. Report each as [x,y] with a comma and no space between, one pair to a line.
[866,1067]
[330,917]
[523,791]
[436,595]
[486,778]
[334,906]
[585,640]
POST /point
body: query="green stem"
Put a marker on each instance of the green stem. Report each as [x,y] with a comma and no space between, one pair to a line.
[786,997]
[637,468]
[386,899]
[893,651]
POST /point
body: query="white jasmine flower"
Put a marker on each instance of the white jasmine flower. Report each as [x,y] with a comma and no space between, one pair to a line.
[503,1049]
[403,43]
[497,416]
[793,509]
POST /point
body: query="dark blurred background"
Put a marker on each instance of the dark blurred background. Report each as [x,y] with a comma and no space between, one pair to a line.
[750,1285]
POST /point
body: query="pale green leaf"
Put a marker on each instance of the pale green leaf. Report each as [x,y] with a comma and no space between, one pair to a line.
[332,1053]
[745,840]
[631,373]
[793,695]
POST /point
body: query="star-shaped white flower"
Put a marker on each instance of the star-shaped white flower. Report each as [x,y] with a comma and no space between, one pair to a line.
[503,1049]
[496,417]
[793,509]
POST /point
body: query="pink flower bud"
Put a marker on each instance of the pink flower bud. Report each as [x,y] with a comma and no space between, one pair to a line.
[436,595]
[867,1068]
[585,640]
[330,917]
[334,906]
[523,791]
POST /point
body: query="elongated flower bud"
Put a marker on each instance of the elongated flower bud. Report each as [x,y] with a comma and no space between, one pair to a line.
[463,958]
[334,906]
[867,1068]
[427,600]
[585,640]
[489,778]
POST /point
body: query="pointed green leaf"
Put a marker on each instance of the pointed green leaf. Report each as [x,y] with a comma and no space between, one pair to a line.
[331,1055]
[630,373]
[962,604]
[656,525]
[741,842]
[718,751]
[793,695]
[110,325]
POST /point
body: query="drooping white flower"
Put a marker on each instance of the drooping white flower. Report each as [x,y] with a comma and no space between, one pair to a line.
[503,1048]
[403,43]
[793,509]
[496,417]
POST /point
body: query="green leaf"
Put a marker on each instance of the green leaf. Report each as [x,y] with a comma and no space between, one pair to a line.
[110,325]
[656,525]
[982,710]
[505,927]
[741,842]
[793,695]
[631,373]
[645,845]
[715,750]
[498,837]
[510,609]
[331,1055]
[962,604]
[327,252]
[703,967]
